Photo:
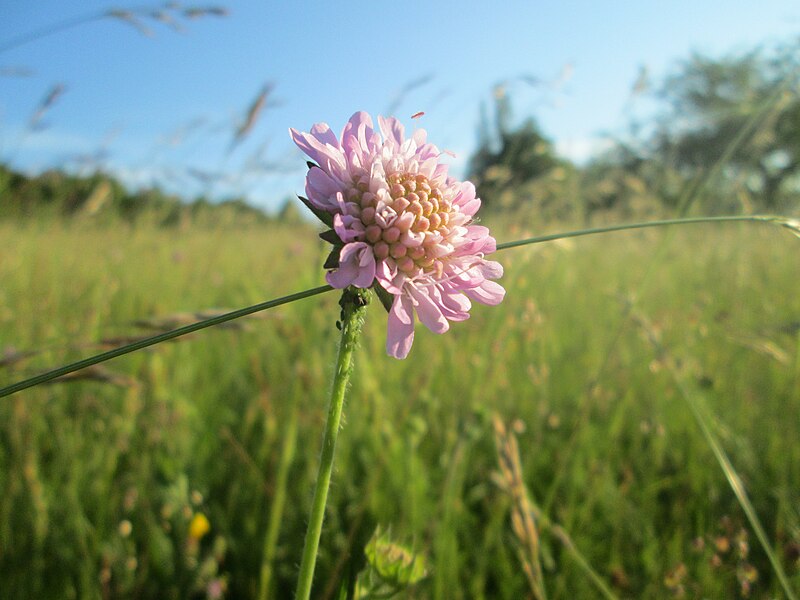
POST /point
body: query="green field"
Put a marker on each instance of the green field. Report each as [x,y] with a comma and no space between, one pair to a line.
[593,360]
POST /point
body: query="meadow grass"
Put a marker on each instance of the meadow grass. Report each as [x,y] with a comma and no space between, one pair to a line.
[101,478]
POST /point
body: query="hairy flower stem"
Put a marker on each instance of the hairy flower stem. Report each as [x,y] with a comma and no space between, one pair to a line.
[353,303]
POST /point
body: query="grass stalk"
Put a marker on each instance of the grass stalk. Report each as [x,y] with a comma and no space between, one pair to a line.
[157,339]
[277,508]
[528,519]
[791,224]
[524,527]
[769,219]
[736,485]
[734,480]
[353,305]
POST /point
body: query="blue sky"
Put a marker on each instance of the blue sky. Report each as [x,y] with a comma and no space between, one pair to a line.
[162,109]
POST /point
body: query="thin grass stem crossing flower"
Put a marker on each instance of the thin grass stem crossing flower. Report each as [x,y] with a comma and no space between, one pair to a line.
[399,223]
[789,223]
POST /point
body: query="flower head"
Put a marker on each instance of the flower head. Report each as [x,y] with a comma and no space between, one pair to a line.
[398,218]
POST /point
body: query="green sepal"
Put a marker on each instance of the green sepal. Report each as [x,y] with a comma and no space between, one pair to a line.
[385,297]
[331,237]
[332,262]
[323,216]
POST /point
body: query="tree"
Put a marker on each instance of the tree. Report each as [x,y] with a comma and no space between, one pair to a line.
[508,157]
[710,101]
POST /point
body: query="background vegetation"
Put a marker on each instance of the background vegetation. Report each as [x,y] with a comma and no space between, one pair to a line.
[186,470]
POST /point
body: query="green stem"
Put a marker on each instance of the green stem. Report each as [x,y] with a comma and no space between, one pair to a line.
[278,504]
[156,339]
[792,224]
[771,219]
[738,488]
[734,480]
[353,304]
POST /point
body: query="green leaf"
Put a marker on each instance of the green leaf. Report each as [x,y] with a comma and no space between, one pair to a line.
[331,237]
[385,297]
[332,262]
[323,216]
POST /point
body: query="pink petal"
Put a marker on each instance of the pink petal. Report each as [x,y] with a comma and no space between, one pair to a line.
[480,242]
[400,331]
[390,277]
[391,129]
[386,272]
[419,137]
[439,175]
[428,161]
[321,189]
[359,126]
[466,199]
[451,302]
[356,267]
[456,306]
[366,269]
[488,292]
[412,239]
[428,312]
[404,221]
[490,269]
[327,156]
[324,134]
[348,228]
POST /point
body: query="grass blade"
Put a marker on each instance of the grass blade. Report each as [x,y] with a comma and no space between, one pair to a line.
[736,485]
[719,453]
[157,339]
[163,337]
[532,519]
[769,219]
[276,513]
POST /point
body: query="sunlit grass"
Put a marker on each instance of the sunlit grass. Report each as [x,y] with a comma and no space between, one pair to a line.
[203,424]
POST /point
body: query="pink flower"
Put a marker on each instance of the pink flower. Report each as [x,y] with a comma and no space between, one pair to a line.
[400,220]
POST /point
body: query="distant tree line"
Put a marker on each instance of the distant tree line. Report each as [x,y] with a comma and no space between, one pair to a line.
[100,197]
[726,136]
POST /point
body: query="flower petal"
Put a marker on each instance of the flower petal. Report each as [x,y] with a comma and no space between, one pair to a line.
[455,305]
[348,228]
[359,126]
[428,312]
[366,269]
[321,189]
[488,292]
[400,331]
[356,267]
[325,155]
[324,134]
[391,129]
[480,242]
[466,199]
